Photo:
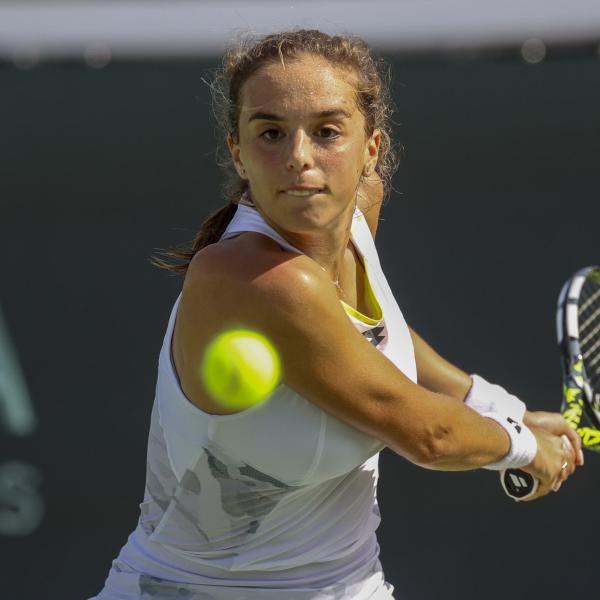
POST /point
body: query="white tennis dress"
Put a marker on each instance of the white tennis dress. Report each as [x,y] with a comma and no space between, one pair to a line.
[278,501]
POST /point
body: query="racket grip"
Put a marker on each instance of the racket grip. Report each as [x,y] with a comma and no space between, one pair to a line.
[518,484]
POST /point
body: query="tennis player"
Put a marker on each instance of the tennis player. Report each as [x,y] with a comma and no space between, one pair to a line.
[279,501]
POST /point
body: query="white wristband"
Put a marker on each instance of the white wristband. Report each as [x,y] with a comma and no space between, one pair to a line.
[523,445]
[485,397]
[494,402]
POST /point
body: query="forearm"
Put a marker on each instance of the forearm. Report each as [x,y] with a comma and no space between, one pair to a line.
[490,444]
[436,373]
[480,441]
[440,433]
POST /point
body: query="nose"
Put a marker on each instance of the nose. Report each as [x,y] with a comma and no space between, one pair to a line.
[300,152]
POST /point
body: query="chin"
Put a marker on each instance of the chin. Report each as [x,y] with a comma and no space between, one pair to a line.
[308,217]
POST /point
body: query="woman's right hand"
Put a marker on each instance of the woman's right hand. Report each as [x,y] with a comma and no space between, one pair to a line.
[553,453]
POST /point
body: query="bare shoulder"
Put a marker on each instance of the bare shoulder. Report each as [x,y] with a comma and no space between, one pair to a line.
[251,282]
[247,282]
[255,266]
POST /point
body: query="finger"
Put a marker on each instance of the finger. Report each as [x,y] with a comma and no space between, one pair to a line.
[568,446]
[566,472]
[571,454]
[576,443]
[542,491]
[570,459]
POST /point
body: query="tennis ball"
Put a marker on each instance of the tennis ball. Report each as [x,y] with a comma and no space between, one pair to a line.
[240,368]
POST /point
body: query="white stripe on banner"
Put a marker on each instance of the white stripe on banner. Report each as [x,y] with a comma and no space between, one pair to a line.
[176,28]
[16,410]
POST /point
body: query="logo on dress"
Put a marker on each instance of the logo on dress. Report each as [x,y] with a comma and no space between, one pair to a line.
[375,335]
[515,424]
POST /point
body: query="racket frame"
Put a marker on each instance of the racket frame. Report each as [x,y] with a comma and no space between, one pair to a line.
[578,406]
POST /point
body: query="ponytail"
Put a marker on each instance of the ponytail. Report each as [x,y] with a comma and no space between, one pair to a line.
[177,260]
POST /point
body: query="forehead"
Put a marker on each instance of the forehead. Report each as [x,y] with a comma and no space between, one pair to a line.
[305,84]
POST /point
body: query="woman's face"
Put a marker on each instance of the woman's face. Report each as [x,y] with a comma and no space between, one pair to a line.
[302,144]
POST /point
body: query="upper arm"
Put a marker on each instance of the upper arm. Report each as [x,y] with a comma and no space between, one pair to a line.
[369,201]
[324,358]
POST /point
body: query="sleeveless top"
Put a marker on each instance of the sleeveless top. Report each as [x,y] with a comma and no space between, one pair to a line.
[276,501]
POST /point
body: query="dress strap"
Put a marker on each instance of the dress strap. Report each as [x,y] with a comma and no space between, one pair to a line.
[247,218]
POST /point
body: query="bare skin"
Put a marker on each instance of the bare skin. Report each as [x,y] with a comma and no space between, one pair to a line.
[303,149]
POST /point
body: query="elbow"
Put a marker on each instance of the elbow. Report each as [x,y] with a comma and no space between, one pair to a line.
[434,447]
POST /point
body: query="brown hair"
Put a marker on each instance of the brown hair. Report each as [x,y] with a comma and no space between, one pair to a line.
[238,65]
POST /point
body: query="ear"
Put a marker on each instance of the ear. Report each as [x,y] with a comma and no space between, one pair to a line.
[371,153]
[235,152]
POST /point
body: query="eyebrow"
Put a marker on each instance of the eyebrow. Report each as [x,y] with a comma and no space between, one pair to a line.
[333,112]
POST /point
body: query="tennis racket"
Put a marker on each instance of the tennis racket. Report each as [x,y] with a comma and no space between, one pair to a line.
[578,332]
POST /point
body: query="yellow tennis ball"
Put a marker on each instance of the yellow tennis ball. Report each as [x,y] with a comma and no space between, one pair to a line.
[240,368]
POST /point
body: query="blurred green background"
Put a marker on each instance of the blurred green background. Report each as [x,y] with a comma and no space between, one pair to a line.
[495,204]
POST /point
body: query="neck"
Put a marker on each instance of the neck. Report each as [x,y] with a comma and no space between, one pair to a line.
[326,246]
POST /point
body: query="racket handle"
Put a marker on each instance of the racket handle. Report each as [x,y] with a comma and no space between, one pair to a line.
[518,484]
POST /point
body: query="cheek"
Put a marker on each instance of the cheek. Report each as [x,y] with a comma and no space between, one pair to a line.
[258,157]
[264,155]
[265,159]
[345,160]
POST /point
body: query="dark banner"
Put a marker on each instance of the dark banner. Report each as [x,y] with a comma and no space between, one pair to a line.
[495,205]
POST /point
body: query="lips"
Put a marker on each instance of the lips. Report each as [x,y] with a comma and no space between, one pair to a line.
[302,191]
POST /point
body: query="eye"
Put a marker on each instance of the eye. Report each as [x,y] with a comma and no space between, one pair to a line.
[328,133]
[271,135]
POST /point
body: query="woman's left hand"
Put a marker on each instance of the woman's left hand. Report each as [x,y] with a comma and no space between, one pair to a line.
[555,423]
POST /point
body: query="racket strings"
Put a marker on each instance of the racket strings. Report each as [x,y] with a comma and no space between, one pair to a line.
[589,330]
[593,298]
[592,334]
